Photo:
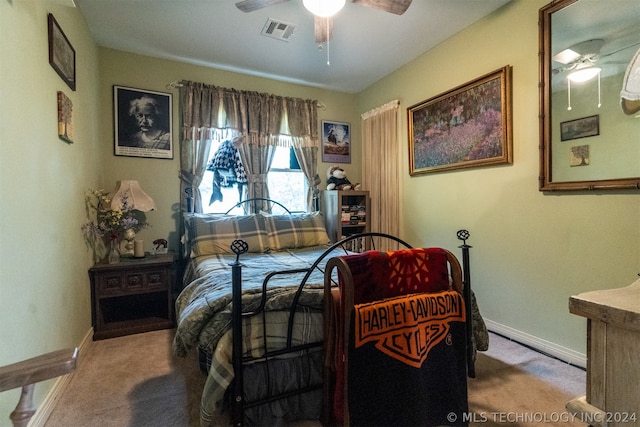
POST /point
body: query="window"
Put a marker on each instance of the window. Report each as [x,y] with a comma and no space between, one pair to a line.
[287,184]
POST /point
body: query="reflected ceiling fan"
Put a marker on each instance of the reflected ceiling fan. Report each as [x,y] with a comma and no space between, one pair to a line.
[583,61]
[323,11]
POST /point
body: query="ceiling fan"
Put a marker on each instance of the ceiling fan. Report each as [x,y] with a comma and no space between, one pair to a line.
[583,60]
[324,24]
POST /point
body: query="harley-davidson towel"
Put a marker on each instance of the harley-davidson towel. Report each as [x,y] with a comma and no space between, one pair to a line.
[407,361]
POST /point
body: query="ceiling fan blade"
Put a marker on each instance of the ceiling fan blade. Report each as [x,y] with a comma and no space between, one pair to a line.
[613,52]
[323,28]
[251,5]
[397,7]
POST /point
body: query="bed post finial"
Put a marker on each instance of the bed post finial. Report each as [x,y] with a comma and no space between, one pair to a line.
[463,235]
[239,247]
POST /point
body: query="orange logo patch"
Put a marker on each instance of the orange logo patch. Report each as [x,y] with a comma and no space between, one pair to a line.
[408,327]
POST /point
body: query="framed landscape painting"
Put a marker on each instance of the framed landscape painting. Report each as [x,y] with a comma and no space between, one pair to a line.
[580,128]
[468,126]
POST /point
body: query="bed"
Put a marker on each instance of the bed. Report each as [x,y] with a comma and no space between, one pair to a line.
[275,265]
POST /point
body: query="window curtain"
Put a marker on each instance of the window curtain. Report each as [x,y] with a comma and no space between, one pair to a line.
[259,120]
[302,118]
[381,168]
[193,162]
[200,119]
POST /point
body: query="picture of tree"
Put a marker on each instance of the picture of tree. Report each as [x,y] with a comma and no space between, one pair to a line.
[580,155]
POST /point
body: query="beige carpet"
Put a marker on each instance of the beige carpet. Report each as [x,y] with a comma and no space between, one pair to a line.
[134,381]
[516,386]
[131,381]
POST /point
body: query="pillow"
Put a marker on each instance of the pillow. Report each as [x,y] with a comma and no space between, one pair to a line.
[213,234]
[295,230]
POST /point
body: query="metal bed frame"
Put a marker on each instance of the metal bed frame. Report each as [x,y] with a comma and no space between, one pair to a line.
[239,247]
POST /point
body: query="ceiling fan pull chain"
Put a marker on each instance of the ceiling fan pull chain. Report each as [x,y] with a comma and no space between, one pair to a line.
[328,54]
[569,93]
[599,103]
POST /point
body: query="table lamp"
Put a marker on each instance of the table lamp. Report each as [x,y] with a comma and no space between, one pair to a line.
[130,196]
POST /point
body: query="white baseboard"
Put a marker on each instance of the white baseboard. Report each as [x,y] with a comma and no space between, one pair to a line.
[566,354]
[49,402]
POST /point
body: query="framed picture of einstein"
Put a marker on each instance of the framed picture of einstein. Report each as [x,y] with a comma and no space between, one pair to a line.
[142,123]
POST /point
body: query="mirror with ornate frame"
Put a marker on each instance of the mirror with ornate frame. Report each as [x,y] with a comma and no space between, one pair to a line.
[589,129]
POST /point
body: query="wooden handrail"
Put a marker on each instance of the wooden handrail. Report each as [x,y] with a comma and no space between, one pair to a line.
[28,372]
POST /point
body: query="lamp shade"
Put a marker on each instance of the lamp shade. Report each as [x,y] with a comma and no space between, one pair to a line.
[583,74]
[323,8]
[129,195]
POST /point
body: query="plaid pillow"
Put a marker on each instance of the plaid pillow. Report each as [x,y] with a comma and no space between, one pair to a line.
[295,230]
[213,234]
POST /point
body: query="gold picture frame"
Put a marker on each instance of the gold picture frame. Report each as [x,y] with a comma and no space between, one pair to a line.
[468,126]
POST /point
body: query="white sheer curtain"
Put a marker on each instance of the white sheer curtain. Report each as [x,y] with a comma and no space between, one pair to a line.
[381,168]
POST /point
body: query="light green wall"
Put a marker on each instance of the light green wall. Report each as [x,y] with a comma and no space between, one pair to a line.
[44,290]
[614,153]
[159,178]
[531,251]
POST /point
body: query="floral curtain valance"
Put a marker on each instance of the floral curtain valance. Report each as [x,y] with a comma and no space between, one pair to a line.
[256,116]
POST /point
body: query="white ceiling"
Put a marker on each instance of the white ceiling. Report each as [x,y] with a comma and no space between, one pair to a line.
[617,28]
[367,43]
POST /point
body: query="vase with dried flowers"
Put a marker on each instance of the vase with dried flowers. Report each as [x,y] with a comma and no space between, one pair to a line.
[107,225]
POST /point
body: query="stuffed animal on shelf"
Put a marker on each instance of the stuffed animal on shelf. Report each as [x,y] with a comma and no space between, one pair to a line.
[337,180]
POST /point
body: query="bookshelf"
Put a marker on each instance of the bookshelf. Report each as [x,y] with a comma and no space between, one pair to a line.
[346,213]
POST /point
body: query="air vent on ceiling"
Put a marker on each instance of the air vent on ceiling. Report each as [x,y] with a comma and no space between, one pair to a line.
[278,29]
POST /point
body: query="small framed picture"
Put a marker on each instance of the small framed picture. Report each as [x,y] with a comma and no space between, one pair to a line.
[142,123]
[62,56]
[65,118]
[580,128]
[579,156]
[336,142]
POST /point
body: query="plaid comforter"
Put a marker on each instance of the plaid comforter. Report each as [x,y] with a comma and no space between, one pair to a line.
[203,308]
[203,311]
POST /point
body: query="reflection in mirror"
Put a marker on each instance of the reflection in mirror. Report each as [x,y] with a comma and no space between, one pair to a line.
[590,95]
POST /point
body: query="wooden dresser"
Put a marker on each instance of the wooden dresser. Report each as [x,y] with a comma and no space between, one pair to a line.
[613,357]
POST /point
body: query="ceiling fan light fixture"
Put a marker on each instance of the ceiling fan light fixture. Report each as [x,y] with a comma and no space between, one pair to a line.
[567,56]
[323,8]
[583,74]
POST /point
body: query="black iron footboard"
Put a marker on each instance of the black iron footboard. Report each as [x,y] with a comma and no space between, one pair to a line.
[238,401]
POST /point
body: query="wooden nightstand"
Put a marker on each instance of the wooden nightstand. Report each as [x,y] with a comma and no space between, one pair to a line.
[132,296]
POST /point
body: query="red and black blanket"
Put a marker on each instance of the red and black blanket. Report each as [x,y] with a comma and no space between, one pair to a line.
[407,358]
